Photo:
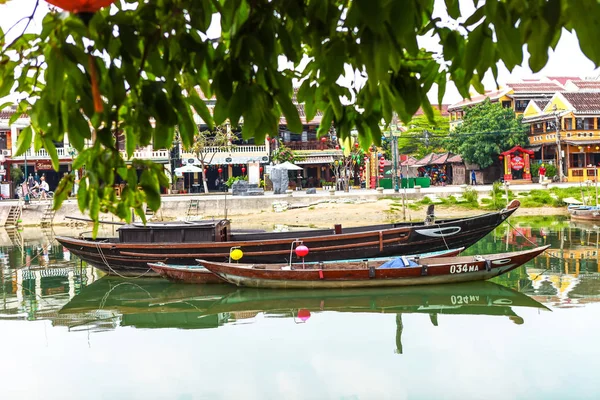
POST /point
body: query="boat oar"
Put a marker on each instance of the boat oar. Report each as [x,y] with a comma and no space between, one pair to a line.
[91,220]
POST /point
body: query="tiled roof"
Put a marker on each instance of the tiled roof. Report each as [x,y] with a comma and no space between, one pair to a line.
[541,103]
[586,85]
[562,79]
[478,99]
[584,102]
[535,87]
[443,110]
[9,112]
[442,158]
[410,160]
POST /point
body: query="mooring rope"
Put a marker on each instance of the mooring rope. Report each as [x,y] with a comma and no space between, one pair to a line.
[103,257]
[535,244]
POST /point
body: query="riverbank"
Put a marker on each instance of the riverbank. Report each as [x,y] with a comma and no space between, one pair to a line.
[357,207]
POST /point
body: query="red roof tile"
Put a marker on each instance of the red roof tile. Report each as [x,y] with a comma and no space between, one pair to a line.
[495,95]
[584,102]
[535,87]
[562,79]
[443,110]
[586,85]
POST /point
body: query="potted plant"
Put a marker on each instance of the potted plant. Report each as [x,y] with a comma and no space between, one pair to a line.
[175,180]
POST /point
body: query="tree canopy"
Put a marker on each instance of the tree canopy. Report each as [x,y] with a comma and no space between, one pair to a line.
[135,67]
[424,135]
[487,130]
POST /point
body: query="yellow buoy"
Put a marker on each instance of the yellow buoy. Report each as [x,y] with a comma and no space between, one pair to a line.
[236,254]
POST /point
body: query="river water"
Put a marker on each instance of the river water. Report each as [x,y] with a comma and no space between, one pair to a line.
[68,333]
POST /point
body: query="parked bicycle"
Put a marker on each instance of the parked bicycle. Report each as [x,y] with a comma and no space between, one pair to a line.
[34,193]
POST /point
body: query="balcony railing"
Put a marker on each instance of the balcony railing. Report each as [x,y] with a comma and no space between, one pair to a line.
[149,154]
[237,149]
[63,152]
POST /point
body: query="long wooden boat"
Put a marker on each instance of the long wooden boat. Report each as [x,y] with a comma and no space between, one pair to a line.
[584,213]
[367,274]
[130,254]
[199,274]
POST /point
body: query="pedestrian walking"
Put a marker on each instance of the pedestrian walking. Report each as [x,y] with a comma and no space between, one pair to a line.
[473,178]
[542,172]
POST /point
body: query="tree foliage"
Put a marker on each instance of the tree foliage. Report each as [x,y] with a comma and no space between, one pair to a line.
[487,130]
[134,68]
[424,136]
[208,143]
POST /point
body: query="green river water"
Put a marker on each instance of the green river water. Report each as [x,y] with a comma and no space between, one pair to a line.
[68,333]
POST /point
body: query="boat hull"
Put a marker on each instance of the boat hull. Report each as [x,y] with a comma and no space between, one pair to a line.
[130,259]
[429,272]
[197,274]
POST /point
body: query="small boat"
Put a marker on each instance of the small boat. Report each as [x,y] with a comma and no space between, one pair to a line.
[366,273]
[584,213]
[138,245]
[199,274]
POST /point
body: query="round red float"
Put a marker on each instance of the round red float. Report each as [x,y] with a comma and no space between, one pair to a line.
[303,314]
[79,6]
[301,251]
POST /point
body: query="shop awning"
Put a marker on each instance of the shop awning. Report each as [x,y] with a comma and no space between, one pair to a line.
[581,142]
[315,160]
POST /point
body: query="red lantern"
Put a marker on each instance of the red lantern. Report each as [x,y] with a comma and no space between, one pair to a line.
[380,169]
[380,176]
[382,158]
[81,6]
[337,147]
[323,139]
[301,251]
[243,170]
[360,168]
[500,157]
[589,147]
[261,169]
[356,145]
[303,314]
[220,170]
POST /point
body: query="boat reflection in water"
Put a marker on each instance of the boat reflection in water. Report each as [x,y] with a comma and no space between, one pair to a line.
[153,303]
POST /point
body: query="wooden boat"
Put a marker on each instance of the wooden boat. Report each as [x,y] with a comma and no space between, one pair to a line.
[137,245]
[369,274]
[199,274]
[584,213]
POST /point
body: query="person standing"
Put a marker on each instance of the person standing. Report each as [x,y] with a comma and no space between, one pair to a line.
[542,172]
[473,178]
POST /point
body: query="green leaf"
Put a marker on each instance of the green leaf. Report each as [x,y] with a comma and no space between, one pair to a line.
[82,194]
[24,141]
[290,111]
[200,106]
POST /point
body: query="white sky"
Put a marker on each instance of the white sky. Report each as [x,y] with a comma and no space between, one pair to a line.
[566,60]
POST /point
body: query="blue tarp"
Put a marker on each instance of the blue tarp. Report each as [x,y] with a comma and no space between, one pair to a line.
[400,262]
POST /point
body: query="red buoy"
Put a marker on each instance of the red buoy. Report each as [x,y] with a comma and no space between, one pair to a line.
[81,6]
[303,314]
[302,251]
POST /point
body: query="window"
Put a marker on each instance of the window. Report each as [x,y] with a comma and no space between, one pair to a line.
[585,123]
[568,124]
[550,126]
[4,135]
[506,104]
[538,127]
[521,105]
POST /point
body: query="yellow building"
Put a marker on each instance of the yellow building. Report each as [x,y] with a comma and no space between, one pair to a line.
[570,122]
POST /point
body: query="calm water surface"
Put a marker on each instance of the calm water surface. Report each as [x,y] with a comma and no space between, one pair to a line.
[67,333]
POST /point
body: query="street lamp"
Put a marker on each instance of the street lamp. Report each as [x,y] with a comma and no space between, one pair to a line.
[558,149]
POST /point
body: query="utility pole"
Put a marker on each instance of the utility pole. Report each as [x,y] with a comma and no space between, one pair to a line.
[558,148]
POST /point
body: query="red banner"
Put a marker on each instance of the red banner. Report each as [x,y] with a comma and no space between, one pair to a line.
[517,163]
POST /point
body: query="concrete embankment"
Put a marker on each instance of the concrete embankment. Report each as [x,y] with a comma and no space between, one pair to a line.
[175,207]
